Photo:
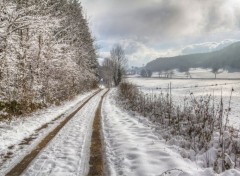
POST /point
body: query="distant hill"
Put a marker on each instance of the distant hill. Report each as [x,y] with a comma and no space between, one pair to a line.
[227,58]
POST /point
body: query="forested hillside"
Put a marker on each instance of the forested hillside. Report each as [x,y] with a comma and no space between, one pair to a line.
[226,58]
[46,54]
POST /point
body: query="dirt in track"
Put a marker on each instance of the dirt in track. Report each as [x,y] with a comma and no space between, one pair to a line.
[96,157]
[22,165]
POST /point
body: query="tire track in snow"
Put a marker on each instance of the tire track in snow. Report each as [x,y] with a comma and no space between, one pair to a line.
[21,166]
[96,158]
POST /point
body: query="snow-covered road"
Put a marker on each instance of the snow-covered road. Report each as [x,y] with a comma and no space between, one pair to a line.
[133,149]
[68,153]
[21,135]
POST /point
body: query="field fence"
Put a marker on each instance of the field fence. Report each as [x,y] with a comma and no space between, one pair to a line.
[187,87]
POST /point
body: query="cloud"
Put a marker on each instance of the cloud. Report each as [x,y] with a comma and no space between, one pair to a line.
[154,28]
[139,54]
[164,19]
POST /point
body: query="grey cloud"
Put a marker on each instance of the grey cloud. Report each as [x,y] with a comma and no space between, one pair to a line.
[165,19]
[163,23]
[131,47]
[219,15]
[150,21]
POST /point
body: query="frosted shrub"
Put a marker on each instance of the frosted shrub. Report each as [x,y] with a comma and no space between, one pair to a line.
[198,125]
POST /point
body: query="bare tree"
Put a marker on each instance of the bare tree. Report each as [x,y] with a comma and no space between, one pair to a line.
[146,73]
[107,72]
[119,63]
[216,70]
[160,74]
[188,74]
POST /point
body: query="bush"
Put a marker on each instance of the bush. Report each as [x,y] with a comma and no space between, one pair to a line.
[199,122]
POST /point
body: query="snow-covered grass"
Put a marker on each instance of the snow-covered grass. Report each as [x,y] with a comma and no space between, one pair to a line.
[182,88]
[14,131]
[197,126]
[135,146]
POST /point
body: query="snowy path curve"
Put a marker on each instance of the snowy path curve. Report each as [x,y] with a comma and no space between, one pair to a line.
[133,149]
[68,153]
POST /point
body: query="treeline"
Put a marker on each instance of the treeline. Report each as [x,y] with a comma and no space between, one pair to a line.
[46,54]
[113,68]
[227,58]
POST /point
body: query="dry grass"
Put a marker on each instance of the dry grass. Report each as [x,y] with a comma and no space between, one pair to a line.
[196,122]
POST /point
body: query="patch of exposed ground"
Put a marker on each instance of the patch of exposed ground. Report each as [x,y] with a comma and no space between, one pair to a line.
[96,158]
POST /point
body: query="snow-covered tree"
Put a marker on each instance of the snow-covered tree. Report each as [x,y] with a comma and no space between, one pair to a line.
[46,53]
[119,63]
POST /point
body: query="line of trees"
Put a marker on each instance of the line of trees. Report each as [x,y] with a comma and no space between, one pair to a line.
[46,53]
[146,73]
[113,68]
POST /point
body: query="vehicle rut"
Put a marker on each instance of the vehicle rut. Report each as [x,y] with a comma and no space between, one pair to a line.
[96,157]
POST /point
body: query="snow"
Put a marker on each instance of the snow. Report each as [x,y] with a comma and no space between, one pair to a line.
[68,153]
[133,146]
[13,132]
[181,88]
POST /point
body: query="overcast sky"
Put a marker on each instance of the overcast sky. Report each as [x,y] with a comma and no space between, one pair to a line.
[148,29]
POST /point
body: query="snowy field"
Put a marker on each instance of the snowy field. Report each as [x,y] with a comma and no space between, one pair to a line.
[182,88]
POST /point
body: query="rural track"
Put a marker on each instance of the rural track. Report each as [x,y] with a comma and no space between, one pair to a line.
[96,158]
[30,158]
